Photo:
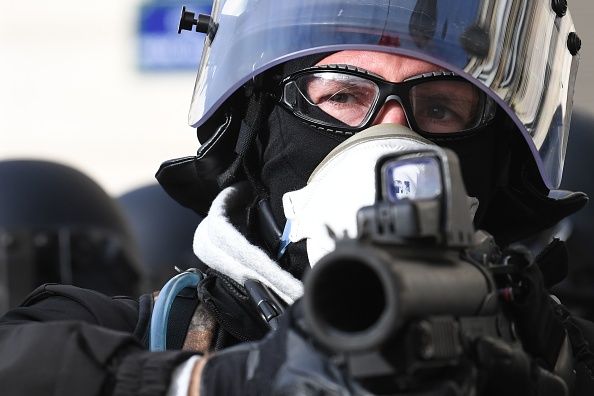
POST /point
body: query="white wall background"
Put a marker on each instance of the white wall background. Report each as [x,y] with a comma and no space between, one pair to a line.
[70,89]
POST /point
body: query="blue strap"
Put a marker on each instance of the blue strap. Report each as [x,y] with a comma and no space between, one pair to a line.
[158,334]
[284,242]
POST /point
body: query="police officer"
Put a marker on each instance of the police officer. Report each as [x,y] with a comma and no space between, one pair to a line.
[59,225]
[280,86]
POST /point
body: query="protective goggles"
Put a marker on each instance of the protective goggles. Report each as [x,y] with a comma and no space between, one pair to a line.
[346,99]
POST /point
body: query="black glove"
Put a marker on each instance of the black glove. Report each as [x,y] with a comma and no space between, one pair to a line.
[282,363]
[512,372]
[286,362]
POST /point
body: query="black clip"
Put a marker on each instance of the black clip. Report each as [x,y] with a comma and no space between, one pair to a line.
[265,302]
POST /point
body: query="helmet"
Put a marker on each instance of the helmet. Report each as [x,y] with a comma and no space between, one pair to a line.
[523,54]
[164,231]
[58,225]
[576,290]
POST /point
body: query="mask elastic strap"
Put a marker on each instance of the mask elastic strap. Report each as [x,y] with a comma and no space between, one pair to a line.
[284,241]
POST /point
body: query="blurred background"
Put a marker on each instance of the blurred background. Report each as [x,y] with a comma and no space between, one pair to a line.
[101,86]
[106,86]
[93,97]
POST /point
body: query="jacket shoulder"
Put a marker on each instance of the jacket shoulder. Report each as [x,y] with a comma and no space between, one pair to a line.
[54,302]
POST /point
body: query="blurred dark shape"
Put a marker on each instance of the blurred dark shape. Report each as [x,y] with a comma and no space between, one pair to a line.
[58,225]
[577,290]
[164,231]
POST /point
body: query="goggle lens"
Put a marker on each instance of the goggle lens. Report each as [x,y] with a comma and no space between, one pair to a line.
[350,101]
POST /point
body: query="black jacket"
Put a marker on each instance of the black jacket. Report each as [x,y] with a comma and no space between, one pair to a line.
[77,341]
[64,340]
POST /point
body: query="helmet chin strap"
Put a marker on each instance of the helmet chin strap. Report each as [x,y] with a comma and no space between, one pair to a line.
[269,229]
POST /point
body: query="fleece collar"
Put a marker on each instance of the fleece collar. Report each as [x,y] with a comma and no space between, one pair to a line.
[220,245]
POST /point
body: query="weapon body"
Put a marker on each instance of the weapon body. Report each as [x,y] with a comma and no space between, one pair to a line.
[406,299]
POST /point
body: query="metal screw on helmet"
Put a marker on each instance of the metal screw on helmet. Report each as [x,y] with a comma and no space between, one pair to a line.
[574,43]
[187,21]
[560,7]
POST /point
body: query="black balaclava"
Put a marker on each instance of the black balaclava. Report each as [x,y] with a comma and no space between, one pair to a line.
[290,150]
[482,155]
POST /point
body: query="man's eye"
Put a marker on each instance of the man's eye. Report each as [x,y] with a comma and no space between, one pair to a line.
[432,109]
[342,98]
[436,112]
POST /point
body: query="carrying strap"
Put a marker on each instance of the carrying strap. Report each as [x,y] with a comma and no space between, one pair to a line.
[180,316]
[255,116]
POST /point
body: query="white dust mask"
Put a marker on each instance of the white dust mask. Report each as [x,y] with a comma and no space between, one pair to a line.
[343,183]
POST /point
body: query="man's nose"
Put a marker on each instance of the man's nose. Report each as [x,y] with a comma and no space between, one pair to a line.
[391,112]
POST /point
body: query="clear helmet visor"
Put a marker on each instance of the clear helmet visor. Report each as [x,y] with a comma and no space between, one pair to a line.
[515,51]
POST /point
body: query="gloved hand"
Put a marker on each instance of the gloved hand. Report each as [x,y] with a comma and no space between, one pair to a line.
[286,362]
[283,363]
[512,372]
